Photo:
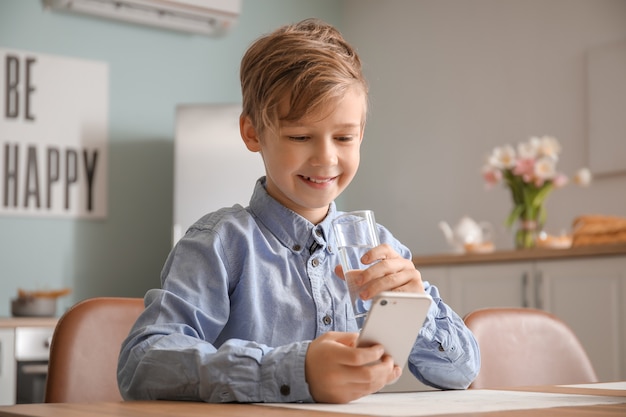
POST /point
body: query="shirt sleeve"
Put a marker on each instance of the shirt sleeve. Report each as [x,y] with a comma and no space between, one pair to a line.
[164,360]
[446,354]
[174,350]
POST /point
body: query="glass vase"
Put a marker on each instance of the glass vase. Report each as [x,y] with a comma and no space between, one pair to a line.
[526,234]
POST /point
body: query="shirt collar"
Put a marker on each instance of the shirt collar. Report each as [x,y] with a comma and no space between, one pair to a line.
[293,230]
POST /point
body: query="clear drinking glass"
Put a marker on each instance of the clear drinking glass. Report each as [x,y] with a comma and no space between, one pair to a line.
[355,234]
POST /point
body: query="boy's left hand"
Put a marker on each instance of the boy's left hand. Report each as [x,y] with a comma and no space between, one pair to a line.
[392,272]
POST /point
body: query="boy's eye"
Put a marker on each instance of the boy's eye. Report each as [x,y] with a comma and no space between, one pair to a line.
[304,138]
[344,138]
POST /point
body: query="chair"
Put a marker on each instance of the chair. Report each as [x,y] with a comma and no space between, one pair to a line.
[523,346]
[85,348]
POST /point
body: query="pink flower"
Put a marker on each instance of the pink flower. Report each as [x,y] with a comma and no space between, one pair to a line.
[560,181]
[525,168]
[530,172]
[533,161]
[491,176]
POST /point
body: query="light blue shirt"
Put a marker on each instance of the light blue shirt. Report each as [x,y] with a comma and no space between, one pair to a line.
[243,294]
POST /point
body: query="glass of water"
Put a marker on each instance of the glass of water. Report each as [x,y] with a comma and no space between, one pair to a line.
[355,234]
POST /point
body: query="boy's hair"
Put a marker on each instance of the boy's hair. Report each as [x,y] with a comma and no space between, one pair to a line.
[309,62]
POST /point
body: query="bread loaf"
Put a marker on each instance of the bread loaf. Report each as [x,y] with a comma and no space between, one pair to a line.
[598,230]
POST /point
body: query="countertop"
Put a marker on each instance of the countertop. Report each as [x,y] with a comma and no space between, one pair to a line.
[520,255]
[12,322]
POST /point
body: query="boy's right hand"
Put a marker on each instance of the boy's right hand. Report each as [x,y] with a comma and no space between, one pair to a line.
[338,372]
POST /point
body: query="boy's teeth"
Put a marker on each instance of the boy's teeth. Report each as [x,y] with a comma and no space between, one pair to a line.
[316,181]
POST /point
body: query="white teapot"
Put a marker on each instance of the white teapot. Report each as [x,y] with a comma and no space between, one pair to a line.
[467,231]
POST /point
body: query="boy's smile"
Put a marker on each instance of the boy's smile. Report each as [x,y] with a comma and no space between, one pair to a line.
[309,162]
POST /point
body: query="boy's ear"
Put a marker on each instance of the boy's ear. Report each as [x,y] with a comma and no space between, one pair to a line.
[248,134]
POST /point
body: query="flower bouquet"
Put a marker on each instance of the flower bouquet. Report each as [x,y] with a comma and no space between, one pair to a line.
[529,171]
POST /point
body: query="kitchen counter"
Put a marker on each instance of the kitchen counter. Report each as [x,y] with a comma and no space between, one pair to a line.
[12,322]
[520,255]
[581,285]
[24,351]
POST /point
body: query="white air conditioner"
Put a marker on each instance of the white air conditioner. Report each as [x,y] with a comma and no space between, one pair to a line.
[207,17]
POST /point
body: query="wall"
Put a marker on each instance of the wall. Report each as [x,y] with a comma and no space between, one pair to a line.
[452,79]
[151,71]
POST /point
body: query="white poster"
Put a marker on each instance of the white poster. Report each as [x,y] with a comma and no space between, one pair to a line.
[53,136]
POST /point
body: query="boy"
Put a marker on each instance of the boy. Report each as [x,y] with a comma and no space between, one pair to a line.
[253,306]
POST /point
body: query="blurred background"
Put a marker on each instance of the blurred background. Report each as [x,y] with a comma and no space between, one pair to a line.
[449,79]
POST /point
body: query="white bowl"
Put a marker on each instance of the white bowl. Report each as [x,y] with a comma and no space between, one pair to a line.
[34,307]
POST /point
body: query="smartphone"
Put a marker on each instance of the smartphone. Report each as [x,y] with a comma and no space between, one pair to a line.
[394,320]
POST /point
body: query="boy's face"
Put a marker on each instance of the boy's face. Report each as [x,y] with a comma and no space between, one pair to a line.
[310,162]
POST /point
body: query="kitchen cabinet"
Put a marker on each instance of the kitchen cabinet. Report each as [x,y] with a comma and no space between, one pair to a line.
[588,294]
[7,367]
[585,288]
[467,288]
[438,277]
[497,285]
[24,342]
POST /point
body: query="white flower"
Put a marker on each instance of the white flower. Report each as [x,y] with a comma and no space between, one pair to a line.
[549,147]
[583,177]
[530,149]
[545,168]
[531,164]
[503,157]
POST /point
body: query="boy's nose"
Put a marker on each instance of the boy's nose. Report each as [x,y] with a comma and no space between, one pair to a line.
[324,154]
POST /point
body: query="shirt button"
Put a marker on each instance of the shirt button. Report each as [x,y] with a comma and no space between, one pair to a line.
[285,390]
[315,262]
[327,320]
[297,248]
[441,348]
[318,232]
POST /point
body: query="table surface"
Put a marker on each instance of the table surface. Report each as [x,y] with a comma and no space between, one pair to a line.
[192,409]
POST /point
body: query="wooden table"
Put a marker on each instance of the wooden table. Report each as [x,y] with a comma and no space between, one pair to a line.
[193,409]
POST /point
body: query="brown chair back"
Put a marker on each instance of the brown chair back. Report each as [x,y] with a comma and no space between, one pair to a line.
[85,349]
[523,346]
